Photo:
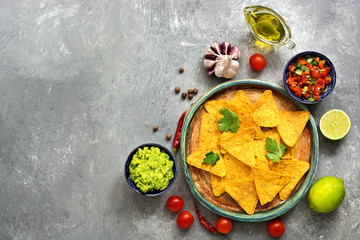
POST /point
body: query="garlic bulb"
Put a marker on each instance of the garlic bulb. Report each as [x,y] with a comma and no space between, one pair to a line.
[220,60]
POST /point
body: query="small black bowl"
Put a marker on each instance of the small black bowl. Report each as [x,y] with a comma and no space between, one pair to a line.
[304,55]
[127,172]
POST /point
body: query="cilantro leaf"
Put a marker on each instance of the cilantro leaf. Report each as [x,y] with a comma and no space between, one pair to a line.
[312,80]
[230,121]
[211,158]
[311,98]
[275,152]
[314,63]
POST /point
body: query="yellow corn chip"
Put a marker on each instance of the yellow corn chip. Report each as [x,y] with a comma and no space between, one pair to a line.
[241,98]
[262,163]
[213,107]
[265,111]
[291,151]
[244,193]
[259,144]
[245,117]
[235,171]
[196,158]
[295,168]
[217,185]
[229,140]
[245,153]
[209,132]
[240,109]
[291,125]
[268,184]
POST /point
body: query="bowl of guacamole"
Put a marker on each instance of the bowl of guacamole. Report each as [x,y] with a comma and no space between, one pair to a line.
[150,169]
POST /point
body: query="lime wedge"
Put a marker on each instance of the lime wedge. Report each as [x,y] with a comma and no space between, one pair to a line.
[335,124]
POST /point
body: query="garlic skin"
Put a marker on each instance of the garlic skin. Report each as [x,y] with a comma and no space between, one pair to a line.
[220,60]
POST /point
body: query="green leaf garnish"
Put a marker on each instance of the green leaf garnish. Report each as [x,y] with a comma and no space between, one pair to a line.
[305,89]
[311,98]
[312,80]
[230,121]
[275,152]
[298,72]
[309,60]
[304,68]
[211,158]
[314,63]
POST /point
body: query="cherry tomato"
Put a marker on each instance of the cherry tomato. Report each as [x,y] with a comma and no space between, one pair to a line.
[175,203]
[223,225]
[257,62]
[276,228]
[184,220]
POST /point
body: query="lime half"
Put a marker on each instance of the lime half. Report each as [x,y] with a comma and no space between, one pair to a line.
[335,124]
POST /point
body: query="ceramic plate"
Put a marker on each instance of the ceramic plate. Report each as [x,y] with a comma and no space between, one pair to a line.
[199,180]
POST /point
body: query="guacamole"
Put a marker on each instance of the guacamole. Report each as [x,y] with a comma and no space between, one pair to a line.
[151,169]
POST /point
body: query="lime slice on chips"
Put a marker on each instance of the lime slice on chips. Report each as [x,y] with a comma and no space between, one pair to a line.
[335,124]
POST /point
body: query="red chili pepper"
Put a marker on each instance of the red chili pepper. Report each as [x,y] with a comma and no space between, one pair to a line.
[206,224]
[176,142]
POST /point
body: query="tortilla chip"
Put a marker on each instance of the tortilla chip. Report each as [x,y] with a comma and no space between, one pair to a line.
[245,116]
[241,98]
[235,171]
[262,163]
[240,109]
[196,158]
[259,144]
[244,193]
[265,111]
[229,140]
[291,151]
[295,168]
[245,153]
[213,107]
[268,184]
[217,185]
[291,125]
[209,132]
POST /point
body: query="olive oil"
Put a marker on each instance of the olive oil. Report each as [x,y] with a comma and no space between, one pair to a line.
[268,26]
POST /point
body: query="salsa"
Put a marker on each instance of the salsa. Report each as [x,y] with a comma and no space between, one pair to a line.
[151,169]
[309,78]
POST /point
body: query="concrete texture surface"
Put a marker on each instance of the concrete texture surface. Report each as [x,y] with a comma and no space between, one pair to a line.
[82,83]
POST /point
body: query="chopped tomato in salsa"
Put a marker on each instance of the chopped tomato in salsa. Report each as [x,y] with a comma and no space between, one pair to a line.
[309,78]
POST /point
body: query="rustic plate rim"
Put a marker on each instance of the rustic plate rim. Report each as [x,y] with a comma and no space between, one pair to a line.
[260,216]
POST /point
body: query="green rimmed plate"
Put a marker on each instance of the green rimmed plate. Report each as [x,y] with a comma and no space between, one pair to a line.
[199,180]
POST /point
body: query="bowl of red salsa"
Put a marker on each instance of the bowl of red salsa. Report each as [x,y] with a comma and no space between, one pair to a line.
[309,77]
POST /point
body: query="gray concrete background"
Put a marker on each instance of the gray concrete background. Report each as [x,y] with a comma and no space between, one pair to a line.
[83,82]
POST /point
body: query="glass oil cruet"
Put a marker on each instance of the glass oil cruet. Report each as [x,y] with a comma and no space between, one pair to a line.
[268,26]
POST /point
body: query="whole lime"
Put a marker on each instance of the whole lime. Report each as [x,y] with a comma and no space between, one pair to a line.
[326,194]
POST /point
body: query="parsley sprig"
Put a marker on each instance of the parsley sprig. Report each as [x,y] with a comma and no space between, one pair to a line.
[211,158]
[230,121]
[275,152]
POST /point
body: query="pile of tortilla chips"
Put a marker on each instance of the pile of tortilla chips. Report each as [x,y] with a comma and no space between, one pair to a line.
[243,171]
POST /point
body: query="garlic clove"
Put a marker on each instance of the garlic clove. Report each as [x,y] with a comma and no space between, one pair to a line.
[231,69]
[216,47]
[235,52]
[209,63]
[225,48]
[209,54]
[220,69]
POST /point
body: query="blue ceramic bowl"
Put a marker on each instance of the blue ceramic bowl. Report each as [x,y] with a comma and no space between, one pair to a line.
[310,54]
[285,205]
[127,172]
